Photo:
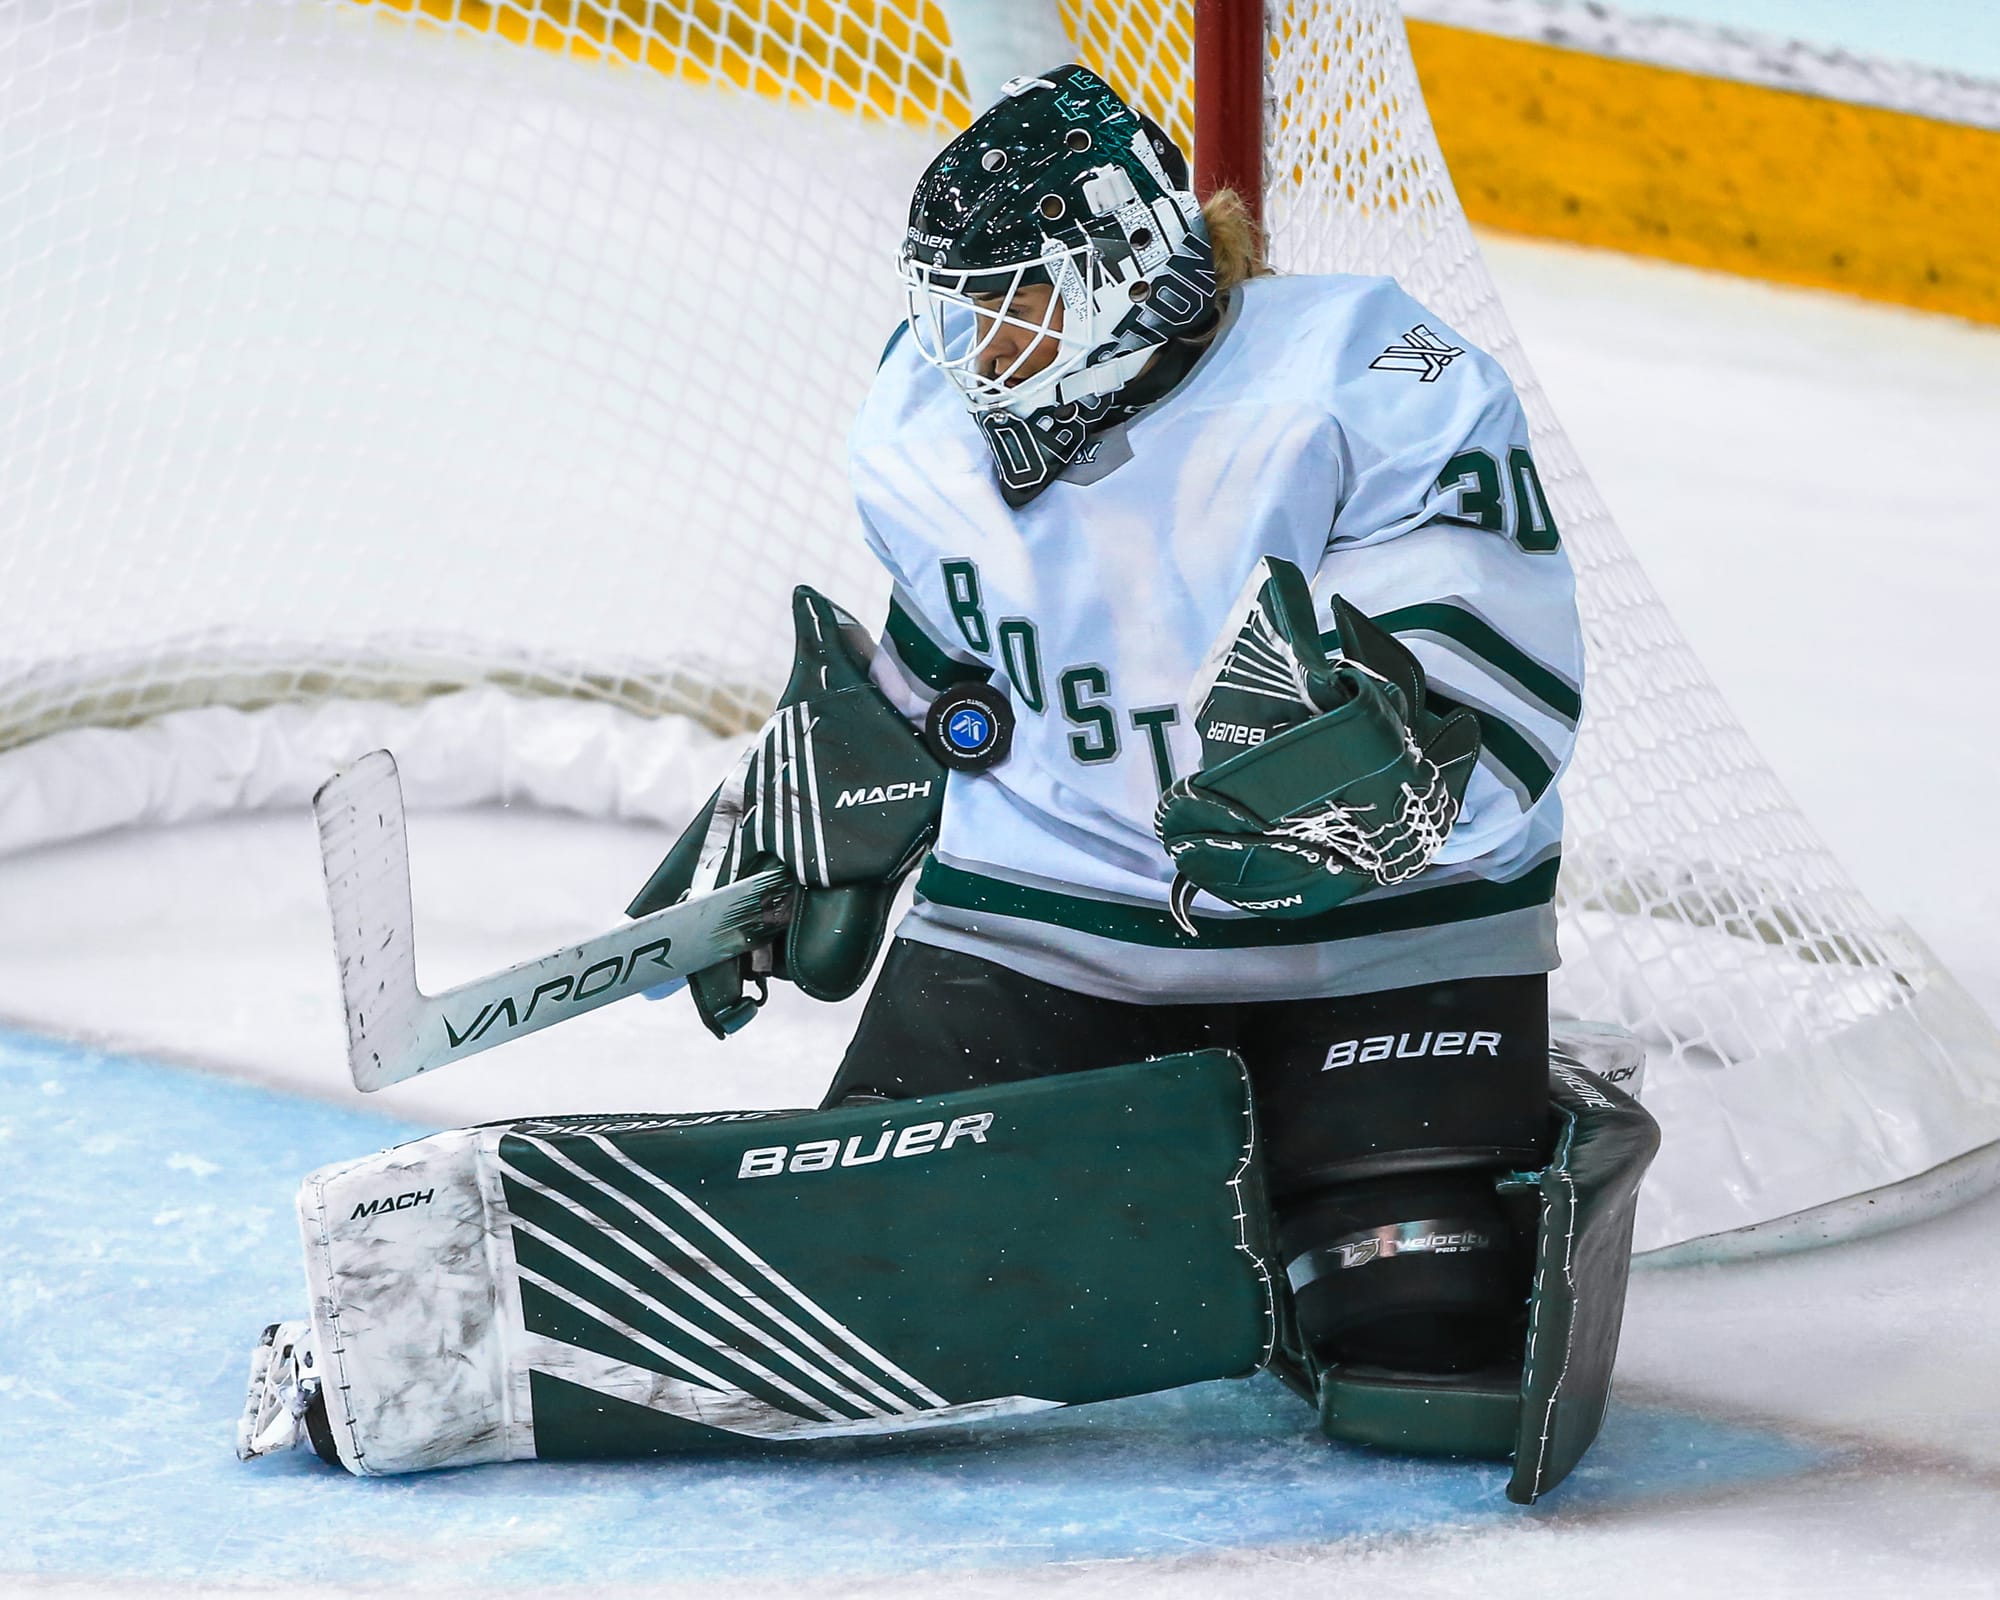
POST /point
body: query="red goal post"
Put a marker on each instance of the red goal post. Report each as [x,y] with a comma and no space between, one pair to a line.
[1229,60]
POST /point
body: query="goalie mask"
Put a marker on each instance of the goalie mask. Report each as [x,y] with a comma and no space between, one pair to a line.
[1061,184]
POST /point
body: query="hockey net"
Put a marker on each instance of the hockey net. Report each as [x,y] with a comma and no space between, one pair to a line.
[404,360]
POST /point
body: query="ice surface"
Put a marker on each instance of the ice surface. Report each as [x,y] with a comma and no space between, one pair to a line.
[1809,483]
[150,1234]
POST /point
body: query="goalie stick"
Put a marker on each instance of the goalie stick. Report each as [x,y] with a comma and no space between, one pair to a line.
[395,1030]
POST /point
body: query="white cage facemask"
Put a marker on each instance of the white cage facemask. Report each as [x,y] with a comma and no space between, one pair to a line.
[1109,266]
[971,326]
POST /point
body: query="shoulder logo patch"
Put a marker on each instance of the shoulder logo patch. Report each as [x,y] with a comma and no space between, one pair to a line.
[1419,351]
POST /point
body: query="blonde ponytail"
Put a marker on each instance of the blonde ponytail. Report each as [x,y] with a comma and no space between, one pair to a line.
[1236,239]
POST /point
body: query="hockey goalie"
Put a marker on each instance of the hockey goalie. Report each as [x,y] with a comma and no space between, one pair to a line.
[1230,668]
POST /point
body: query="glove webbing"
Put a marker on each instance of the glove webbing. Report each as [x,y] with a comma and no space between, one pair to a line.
[1415,835]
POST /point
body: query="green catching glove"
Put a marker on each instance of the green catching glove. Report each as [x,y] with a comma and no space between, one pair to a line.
[839,790]
[1320,778]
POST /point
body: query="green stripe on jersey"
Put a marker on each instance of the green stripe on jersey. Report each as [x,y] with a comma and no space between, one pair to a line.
[923,656]
[1419,908]
[1504,742]
[1480,637]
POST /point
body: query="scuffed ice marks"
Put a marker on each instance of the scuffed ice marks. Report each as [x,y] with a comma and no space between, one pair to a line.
[1220,1467]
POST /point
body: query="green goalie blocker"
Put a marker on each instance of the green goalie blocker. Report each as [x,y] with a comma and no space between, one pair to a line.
[1544,1412]
[623,1286]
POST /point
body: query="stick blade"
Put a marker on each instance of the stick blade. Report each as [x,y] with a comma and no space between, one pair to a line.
[365,854]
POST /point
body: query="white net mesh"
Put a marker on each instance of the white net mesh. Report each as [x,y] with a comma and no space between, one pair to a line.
[1698,908]
[1686,864]
[349,351]
[373,351]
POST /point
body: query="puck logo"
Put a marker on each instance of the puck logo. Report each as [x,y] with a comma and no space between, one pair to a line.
[970,728]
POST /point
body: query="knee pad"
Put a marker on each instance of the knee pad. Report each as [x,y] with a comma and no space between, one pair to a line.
[1421,1272]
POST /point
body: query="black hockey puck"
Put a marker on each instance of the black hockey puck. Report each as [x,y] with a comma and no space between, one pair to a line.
[970,728]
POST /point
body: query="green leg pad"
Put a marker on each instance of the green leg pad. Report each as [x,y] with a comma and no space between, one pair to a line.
[1544,1412]
[1588,1196]
[607,1286]
[1466,1414]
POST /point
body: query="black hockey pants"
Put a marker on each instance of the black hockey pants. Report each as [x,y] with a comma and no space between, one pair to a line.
[1452,1073]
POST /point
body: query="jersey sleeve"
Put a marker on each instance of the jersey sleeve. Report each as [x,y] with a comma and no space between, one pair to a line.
[1446,538]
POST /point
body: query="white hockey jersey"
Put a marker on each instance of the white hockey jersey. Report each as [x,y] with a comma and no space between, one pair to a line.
[1333,422]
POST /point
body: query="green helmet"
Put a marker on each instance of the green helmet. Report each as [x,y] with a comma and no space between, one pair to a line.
[1060,182]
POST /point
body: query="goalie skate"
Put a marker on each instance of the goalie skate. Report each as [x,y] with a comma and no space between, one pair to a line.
[284,1382]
